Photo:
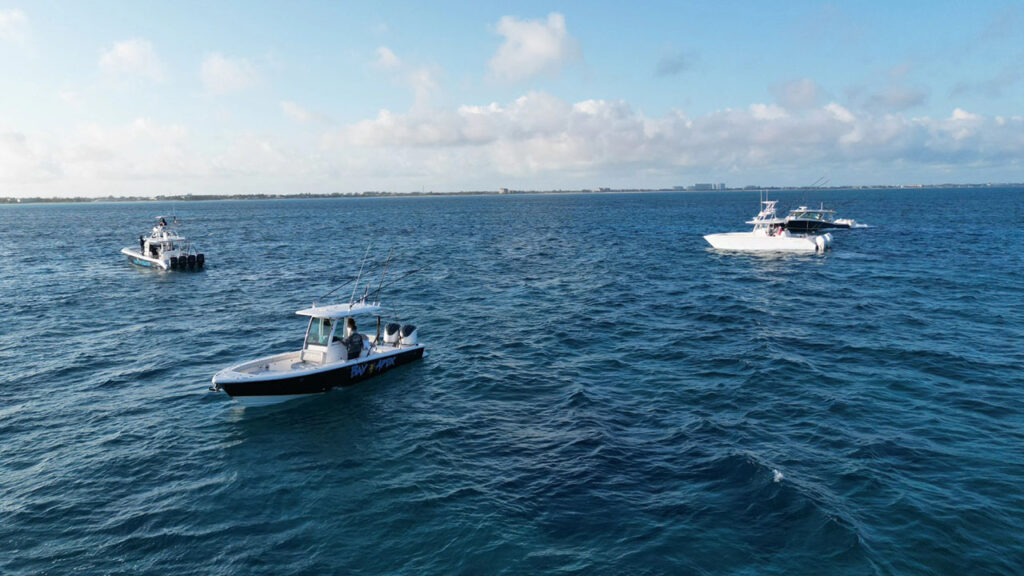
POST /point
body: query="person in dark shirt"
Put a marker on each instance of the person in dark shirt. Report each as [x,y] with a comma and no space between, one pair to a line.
[354,340]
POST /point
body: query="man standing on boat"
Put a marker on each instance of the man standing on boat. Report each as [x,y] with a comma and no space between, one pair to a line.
[353,339]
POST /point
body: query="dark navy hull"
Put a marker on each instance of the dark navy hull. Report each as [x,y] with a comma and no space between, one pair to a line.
[280,389]
[810,226]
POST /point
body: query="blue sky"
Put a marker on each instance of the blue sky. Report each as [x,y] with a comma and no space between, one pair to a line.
[147,98]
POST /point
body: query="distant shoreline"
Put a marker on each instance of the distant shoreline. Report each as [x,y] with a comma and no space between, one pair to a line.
[506,192]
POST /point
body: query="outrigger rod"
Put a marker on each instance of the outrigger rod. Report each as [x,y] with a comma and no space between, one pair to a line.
[383,274]
[381,285]
[358,276]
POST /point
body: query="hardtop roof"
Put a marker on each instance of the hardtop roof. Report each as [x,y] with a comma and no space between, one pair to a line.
[335,311]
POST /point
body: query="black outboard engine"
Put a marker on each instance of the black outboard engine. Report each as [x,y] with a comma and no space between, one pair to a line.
[191,260]
[409,336]
[174,262]
[391,335]
[200,260]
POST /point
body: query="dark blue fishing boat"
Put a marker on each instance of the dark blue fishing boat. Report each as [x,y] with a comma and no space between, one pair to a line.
[334,354]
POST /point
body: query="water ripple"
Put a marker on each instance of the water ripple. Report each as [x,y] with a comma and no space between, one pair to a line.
[604,394]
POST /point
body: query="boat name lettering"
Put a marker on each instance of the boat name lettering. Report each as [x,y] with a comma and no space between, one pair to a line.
[371,367]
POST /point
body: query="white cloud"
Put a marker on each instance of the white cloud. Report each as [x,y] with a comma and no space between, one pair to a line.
[532,47]
[537,140]
[538,135]
[840,113]
[767,112]
[959,114]
[134,57]
[222,75]
[421,79]
[14,26]
[963,125]
[424,84]
[386,58]
[295,112]
[802,94]
[97,160]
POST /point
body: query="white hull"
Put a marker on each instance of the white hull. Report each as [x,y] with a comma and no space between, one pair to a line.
[138,259]
[759,242]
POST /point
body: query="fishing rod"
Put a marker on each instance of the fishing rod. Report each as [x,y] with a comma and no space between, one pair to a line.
[382,285]
[335,290]
[819,182]
[338,287]
[384,273]
[428,264]
[358,276]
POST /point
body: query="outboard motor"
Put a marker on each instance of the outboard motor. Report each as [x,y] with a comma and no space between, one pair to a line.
[191,260]
[409,336]
[391,334]
[200,260]
[174,262]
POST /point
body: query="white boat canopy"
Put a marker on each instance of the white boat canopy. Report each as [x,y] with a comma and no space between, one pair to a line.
[340,310]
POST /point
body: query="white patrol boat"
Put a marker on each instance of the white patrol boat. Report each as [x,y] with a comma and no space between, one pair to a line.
[769,234]
[333,354]
[165,249]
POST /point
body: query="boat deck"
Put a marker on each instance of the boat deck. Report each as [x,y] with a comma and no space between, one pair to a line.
[290,362]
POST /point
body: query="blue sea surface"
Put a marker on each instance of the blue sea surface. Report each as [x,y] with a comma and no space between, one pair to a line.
[604,394]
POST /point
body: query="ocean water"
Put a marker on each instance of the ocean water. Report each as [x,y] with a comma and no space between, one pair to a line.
[604,394]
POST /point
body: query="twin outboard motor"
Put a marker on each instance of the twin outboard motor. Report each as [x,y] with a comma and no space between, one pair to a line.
[409,336]
[391,335]
[400,335]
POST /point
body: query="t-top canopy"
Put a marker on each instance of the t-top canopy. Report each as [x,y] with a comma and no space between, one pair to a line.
[339,310]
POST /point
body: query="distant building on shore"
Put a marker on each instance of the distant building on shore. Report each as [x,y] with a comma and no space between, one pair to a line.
[708,186]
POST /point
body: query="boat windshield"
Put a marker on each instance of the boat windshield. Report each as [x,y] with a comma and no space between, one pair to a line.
[319,331]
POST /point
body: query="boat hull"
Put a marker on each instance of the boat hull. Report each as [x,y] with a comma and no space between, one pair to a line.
[164,263]
[145,261]
[812,226]
[283,387]
[753,242]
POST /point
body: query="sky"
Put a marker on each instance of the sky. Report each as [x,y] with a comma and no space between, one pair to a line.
[147,98]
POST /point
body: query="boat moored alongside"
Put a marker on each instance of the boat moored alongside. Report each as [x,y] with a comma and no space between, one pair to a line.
[804,220]
[769,234]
